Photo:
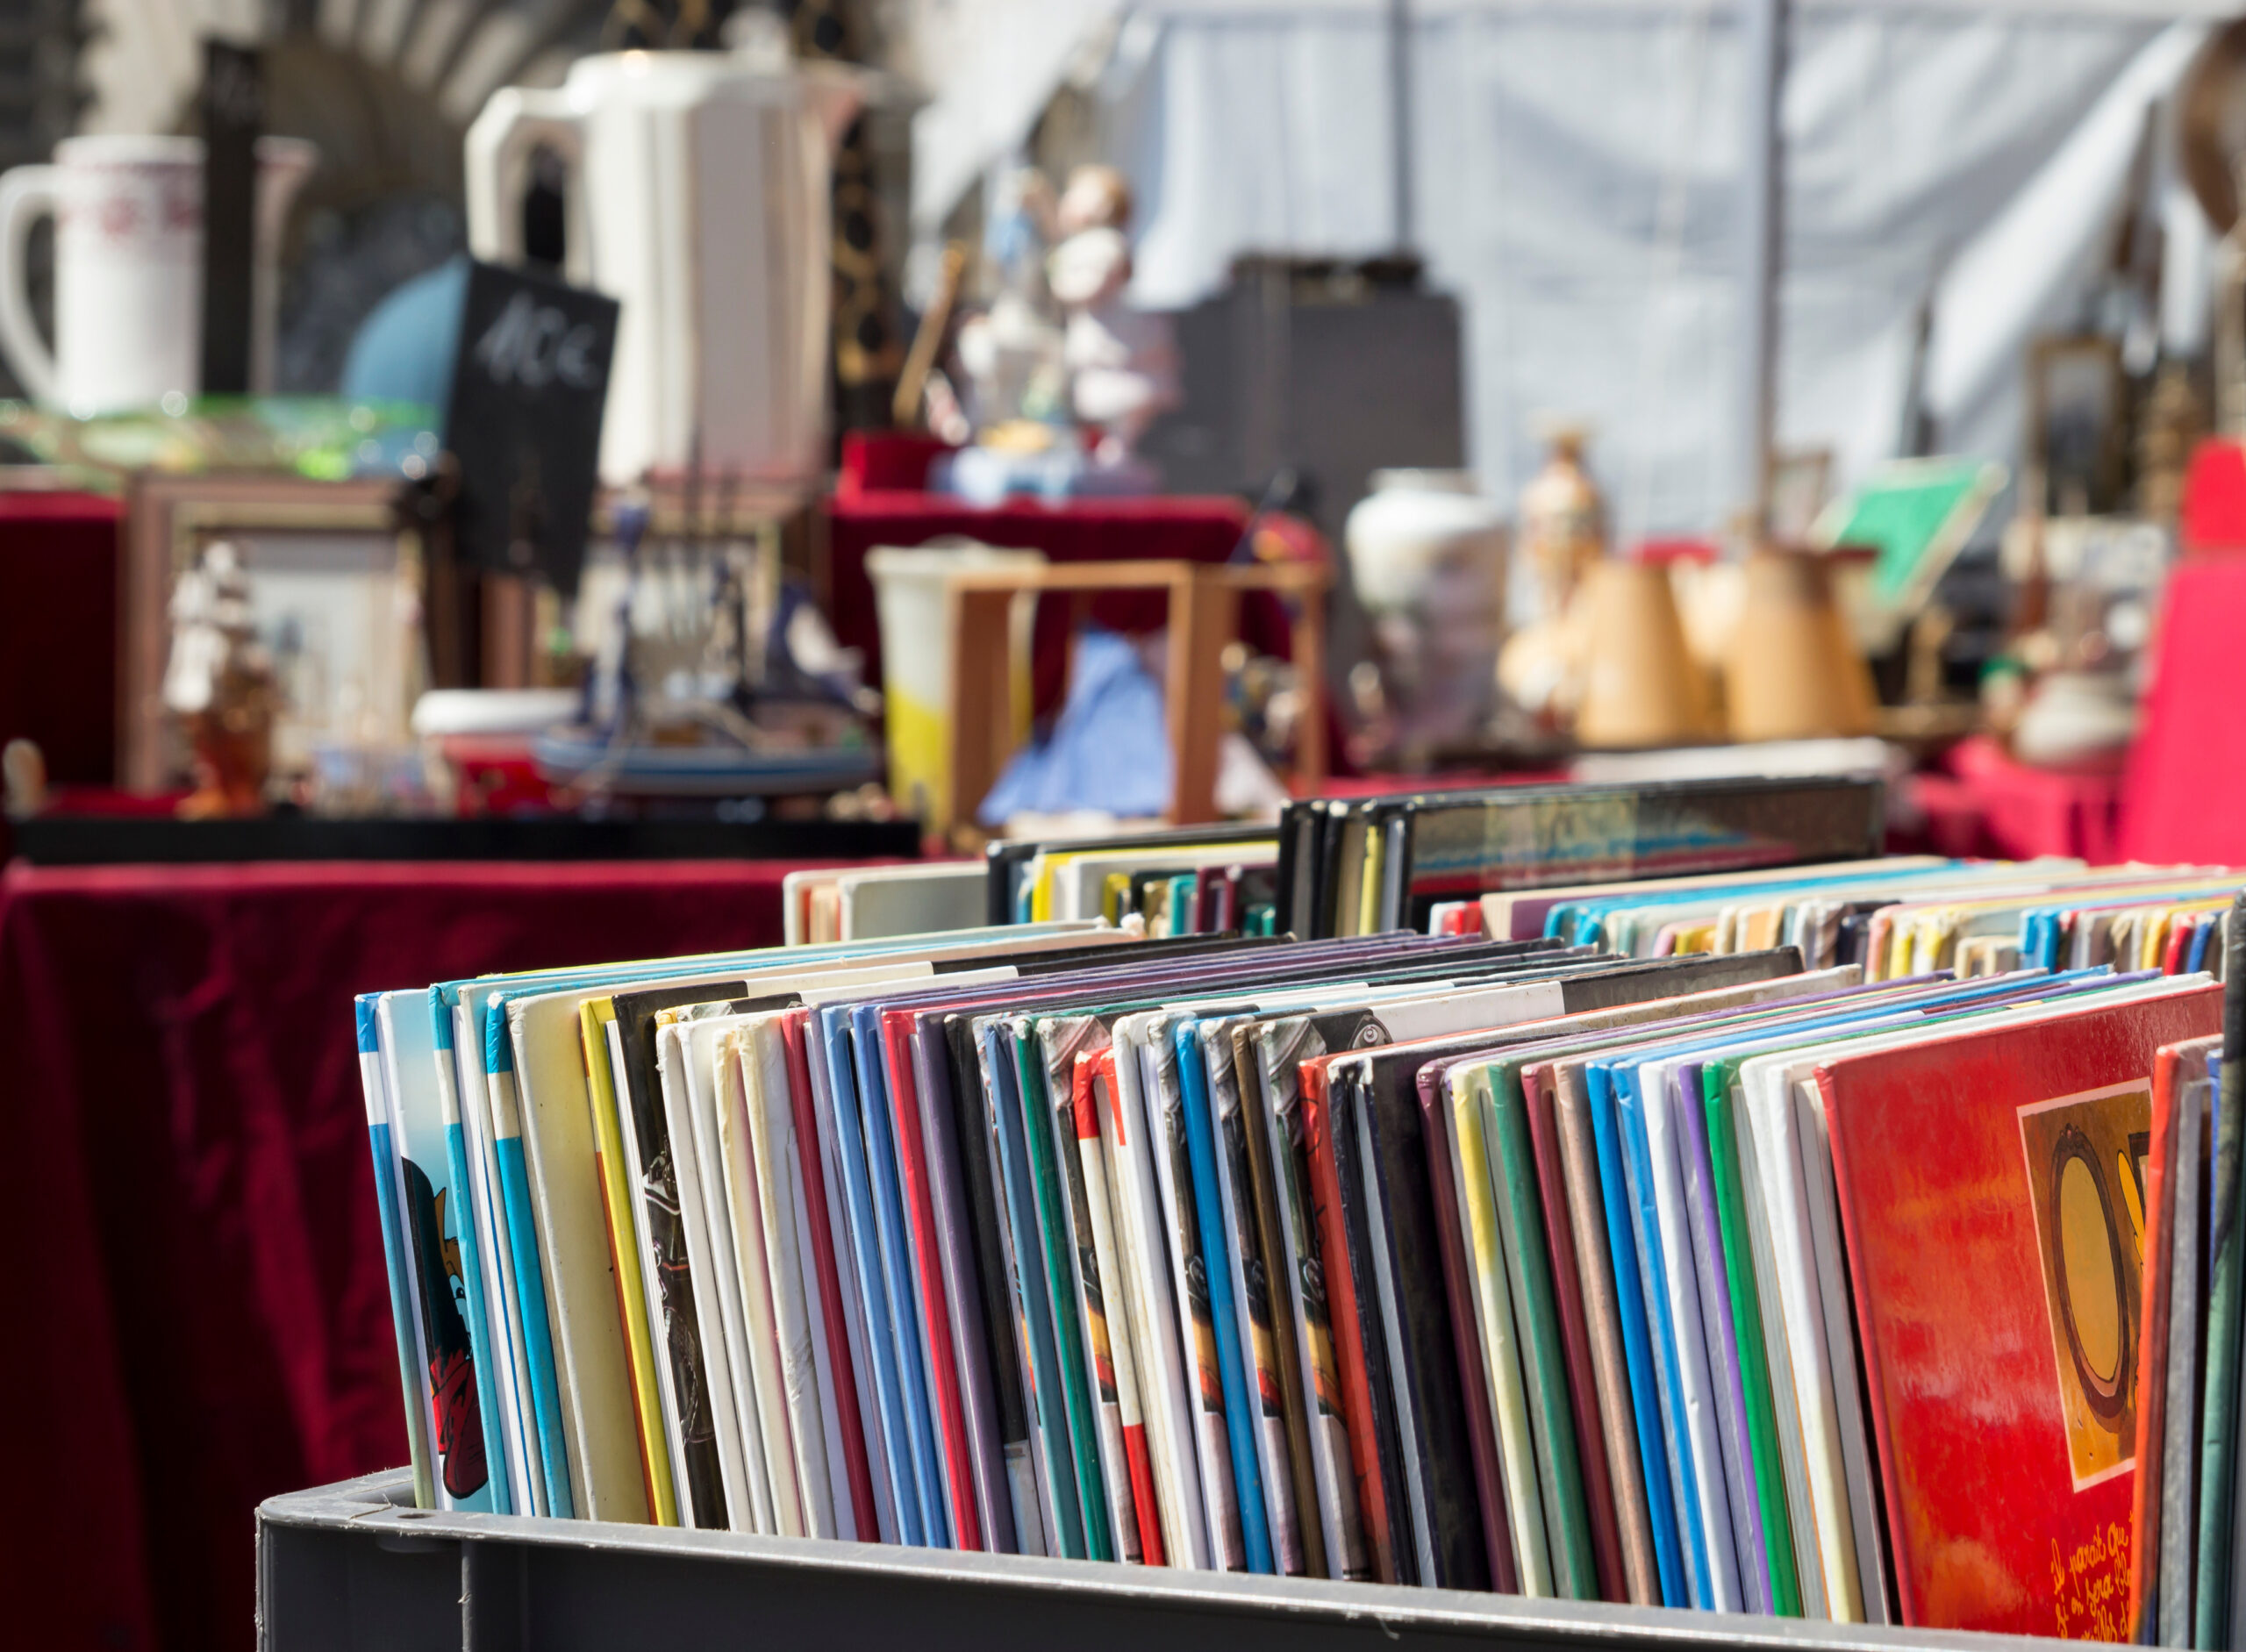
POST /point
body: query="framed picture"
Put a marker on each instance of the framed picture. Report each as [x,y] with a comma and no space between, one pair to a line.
[2078,419]
[336,591]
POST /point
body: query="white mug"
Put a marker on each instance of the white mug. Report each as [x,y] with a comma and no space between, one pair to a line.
[128,268]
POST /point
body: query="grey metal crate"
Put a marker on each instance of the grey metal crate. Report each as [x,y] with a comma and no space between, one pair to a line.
[355,1568]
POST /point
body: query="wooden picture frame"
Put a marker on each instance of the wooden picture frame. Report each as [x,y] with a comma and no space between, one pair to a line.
[170,518]
[2078,424]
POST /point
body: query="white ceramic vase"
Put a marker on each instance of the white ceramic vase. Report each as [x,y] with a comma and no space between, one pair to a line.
[1427,560]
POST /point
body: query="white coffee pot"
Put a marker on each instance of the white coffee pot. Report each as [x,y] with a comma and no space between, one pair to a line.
[128,268]
[698,197]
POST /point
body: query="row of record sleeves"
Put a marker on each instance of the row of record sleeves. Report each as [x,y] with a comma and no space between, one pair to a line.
[1577,1262]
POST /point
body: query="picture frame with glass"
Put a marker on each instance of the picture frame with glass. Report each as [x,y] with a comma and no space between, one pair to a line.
[336,588]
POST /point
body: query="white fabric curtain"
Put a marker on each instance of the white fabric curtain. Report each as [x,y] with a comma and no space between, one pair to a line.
[1575,166]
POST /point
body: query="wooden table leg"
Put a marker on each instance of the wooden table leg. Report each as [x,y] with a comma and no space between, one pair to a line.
[1204,613]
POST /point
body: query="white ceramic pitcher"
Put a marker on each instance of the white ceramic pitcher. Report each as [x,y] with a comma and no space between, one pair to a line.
[128,268]
[698,197]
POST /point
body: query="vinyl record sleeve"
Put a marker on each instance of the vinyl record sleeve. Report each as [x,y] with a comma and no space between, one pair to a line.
[1055,1050]
[739,1381]
[1935,1298]
[684,1343]
[1513,1175]
[1143,1246]
[1052,1454]
[461,1069]
[1116,1295]
[1297,1368]
[1138,1044]
[2180,1435]
[1207,1045]
[1621,1539]
[595,1016]
[435,1220]
[912,1040]
[1430,1409]
[880,1034]
[761,1158]
[857,1025]
[1491,1377]
[398,1263]
[1055,1243]
[2226,1307]
[986,1228]
[1282,1044]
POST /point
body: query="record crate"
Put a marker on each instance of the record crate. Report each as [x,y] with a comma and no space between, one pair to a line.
[355,1568]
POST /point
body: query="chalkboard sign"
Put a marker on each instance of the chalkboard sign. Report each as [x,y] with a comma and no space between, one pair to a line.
[528,386]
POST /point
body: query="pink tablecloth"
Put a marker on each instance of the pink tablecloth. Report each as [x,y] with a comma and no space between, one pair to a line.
[196,1308]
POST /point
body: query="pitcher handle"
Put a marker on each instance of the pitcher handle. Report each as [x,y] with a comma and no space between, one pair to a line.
[26,193]
[515,122]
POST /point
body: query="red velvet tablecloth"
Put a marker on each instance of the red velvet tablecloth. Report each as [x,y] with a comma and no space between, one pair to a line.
[1982,801]
[197,1314]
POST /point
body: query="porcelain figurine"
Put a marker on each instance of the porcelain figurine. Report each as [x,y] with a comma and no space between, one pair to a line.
[1122,362]
[220,685]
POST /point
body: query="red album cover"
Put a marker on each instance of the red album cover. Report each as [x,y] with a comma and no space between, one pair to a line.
[1987,1182]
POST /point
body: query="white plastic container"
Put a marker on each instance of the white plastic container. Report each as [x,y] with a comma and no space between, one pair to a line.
[917,637]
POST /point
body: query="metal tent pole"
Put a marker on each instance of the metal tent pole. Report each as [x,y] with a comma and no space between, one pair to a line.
[1762,39]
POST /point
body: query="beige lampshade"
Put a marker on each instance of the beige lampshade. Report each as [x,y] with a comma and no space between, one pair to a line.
[1642,687]
[1794,672]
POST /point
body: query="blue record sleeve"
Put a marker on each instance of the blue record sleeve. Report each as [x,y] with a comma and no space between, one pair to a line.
[907,1324]
[1219,1264]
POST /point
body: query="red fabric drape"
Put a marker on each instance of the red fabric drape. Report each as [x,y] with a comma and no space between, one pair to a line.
[197,1312]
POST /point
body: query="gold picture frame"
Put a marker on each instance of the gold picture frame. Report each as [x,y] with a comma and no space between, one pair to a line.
[341,573]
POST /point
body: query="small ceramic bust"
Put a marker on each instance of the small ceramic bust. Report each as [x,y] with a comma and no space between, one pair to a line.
[220,685]
[1122,362]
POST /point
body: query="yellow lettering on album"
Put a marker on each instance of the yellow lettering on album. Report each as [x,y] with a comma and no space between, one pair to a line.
[2090,1588]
